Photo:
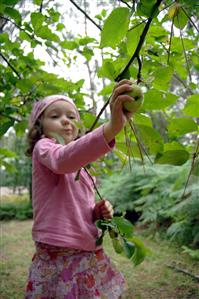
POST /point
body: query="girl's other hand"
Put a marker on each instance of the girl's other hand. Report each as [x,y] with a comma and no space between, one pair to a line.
[103,210]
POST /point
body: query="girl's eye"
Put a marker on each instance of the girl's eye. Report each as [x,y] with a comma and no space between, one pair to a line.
[71,117]
[54,116]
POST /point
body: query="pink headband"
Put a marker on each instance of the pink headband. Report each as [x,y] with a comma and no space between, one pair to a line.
[41,105]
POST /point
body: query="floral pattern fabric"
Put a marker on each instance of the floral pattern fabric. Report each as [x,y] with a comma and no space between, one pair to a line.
[58,273]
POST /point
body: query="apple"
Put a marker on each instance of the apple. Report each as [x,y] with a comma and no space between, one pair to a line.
[138,97]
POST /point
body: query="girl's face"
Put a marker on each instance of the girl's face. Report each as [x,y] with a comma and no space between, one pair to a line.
[59,118]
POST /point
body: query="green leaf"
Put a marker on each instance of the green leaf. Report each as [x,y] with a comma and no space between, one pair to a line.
[13,14]
[107,70]
[142,119]
[192,106]
[60,27]
[173,146]
[180,126]
[155,99]
[70,45]
[37,20]
[107,89]
[124,226]
[117,245]
[140,251]
[133,37]
[129,248]
[58,138]
[115,27]
[151,139]
[4,38]
[20,127]
[25,85]
[86,40]
[8,166]
[173,157]
[180,20]
[162,76]
[37,2]
[87,53]
[9,2]
[46,33]
[144,7]
[5,126]
[7,153]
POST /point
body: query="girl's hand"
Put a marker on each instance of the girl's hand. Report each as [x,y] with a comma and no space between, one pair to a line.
[103,210]
[119,116]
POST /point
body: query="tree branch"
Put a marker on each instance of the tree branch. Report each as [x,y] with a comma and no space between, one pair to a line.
[194,159]
[21,29]
[41,6]
[10,65]
[135,55]
[184,50]
[125,3]
[196,277]
[86,15]
[139,76]
[142,39]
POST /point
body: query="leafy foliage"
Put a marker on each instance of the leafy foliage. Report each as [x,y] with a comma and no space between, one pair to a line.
[17,207]
[157,195]
[123,239]
[167,65]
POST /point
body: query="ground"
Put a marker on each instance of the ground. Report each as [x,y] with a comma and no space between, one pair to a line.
[153,279]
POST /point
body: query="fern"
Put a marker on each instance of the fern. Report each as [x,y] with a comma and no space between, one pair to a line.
[156,194]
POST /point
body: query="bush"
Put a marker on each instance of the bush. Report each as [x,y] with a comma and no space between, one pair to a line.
[155,192]
[16,207]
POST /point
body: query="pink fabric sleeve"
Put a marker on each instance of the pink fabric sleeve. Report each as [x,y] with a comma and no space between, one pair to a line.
[69,158]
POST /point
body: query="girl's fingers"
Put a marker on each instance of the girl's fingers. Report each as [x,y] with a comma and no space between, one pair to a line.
[107,210]
[120,90]
[124,81]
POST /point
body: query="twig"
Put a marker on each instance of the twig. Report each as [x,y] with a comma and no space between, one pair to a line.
[95,187]
[125,3]
[86,15]
[99,114]
[140,145]
[190,20]
[10,65]
[177,77]
[21,29]
[183,83]
[41,6]
[171,35]
[195,155]
[128,145]
[196,277]
[184,51]
[144,21]
[139,76]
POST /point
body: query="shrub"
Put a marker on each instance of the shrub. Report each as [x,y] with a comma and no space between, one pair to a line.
[15,207]
[156,193]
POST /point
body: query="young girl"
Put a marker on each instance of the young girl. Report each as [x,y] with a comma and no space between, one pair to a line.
[67,263]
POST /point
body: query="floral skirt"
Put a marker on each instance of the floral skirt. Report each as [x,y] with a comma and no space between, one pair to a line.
[59,273]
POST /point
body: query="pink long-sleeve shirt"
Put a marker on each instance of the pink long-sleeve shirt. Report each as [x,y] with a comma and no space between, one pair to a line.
[63,206]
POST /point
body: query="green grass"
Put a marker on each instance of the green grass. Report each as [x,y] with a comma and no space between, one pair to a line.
[153,279]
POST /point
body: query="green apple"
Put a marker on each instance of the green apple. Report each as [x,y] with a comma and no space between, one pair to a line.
[138,97]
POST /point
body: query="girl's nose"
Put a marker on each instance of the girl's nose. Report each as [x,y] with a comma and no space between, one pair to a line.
[65,120]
